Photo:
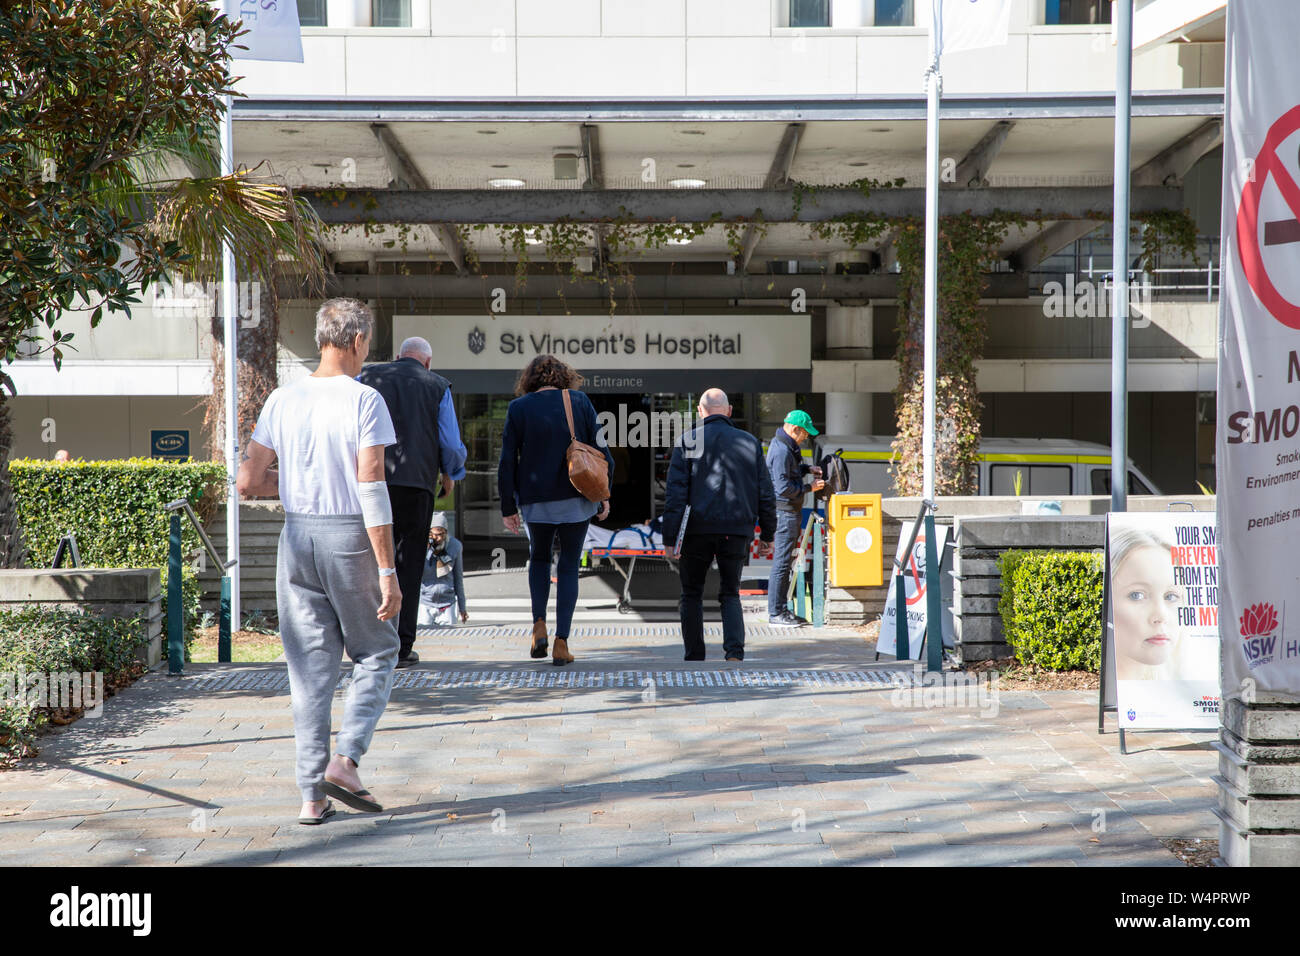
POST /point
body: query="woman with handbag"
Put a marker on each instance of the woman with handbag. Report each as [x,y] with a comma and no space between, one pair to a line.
[553,477]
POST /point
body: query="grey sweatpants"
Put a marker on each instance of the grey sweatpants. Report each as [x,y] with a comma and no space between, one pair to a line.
[327,593]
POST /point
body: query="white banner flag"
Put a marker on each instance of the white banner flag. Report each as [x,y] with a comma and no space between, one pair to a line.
[273,31]
[970,24]
[1258,444]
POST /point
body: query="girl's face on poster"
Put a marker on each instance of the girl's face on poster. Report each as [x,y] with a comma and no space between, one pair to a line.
[1146,606]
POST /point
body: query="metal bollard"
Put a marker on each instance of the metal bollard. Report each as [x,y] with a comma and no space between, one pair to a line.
[933,599]
[818,576]
[902,643]
[223,636]
[175,609]
[800,599]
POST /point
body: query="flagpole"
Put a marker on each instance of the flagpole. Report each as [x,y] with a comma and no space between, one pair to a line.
[1119,312]
[933,86]
[230,326]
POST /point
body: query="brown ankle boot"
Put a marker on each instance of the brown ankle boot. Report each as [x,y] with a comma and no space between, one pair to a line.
[561,656]
[538,650]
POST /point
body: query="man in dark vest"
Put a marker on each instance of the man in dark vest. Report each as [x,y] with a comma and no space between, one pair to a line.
[428,443]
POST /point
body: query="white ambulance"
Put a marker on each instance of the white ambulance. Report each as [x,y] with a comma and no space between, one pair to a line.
[1040,467]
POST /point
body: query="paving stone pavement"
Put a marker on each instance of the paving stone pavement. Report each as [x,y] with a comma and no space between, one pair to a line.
[504,774]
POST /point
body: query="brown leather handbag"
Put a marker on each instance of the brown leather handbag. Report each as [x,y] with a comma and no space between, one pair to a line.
[588,468]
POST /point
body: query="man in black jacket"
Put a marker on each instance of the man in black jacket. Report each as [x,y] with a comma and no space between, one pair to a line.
[428,442]
[718,471]
[787,468]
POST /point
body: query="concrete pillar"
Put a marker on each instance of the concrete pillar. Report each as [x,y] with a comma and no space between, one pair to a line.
[1259,780]
[848,331]
[848,337]
[848,413]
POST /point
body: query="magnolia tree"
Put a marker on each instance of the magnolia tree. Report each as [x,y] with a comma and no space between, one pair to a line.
[101,101]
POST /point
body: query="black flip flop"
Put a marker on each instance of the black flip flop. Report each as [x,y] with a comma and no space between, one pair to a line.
[358,800]
[325,814]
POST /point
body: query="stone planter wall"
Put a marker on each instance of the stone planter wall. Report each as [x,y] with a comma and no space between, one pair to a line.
[104,592]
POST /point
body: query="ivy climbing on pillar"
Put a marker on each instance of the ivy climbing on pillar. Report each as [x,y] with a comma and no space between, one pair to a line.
[967,247]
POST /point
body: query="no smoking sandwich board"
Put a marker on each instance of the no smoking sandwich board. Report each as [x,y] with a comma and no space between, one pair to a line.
[1258,444]
[914,583]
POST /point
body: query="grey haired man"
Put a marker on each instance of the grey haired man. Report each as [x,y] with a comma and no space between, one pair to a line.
[336,584]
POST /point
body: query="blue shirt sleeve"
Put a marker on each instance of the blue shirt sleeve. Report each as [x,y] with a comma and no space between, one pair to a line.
[451,448]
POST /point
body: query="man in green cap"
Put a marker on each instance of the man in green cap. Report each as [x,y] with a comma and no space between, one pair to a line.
[788,469]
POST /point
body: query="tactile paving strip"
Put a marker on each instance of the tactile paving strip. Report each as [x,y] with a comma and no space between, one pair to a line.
[610,630]
[418,679]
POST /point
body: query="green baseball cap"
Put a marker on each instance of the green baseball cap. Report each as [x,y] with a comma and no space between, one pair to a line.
[801,419]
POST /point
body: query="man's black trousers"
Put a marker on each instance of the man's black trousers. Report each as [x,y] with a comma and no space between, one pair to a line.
[412,516]
[698,552]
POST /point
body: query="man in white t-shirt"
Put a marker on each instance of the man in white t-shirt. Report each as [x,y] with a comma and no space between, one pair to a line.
[335,583]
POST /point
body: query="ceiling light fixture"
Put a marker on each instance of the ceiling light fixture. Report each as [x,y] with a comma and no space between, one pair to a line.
[687,183]
[506,183]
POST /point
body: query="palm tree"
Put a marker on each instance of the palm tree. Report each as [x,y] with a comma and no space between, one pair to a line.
[270,230]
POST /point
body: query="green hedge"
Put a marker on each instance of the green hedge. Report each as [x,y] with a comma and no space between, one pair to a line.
[43,641]
[1051,608]
[115,508]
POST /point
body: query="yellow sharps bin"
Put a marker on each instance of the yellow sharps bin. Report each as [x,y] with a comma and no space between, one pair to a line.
[853,523]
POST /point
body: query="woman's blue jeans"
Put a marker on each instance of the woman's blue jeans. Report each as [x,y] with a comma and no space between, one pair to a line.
[541,538]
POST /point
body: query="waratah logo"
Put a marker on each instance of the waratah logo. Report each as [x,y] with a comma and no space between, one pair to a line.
[477,340]
[1258,626]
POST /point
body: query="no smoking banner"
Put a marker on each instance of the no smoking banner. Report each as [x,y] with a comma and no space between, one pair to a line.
[1270,165]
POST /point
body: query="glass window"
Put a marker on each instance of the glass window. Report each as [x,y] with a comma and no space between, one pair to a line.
[871,478]
[482,420]
[1034,479]
[390,13]
[311,13]
[894,13]
[1083,12]
[810,13]
[1100,481]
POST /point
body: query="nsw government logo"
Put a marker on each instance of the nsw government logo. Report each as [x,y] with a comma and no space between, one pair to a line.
[1132,715]
[1258,626]
[477,340]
